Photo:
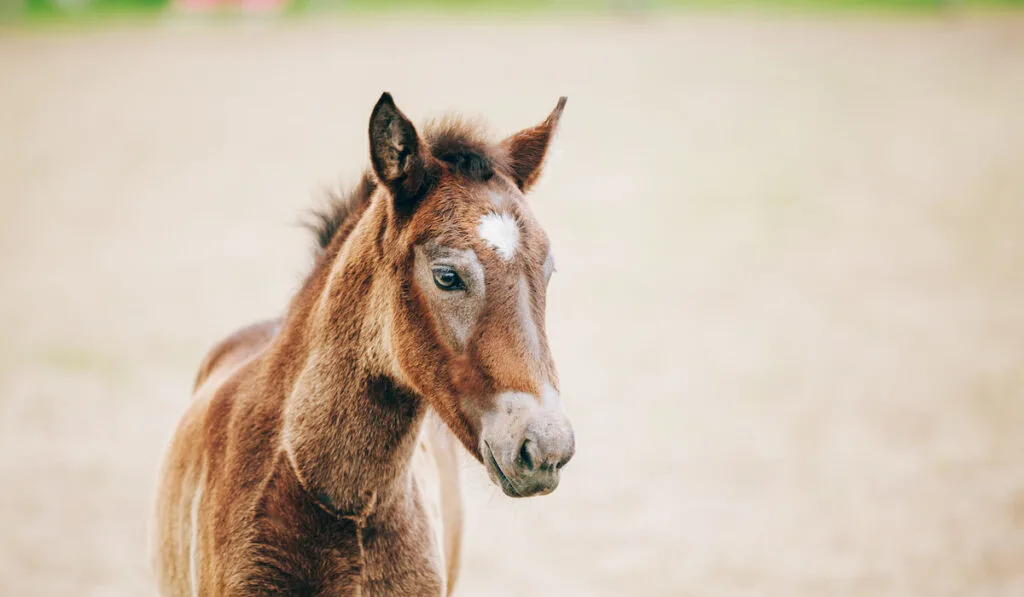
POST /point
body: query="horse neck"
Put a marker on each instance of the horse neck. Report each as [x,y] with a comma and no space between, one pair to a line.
[348,427]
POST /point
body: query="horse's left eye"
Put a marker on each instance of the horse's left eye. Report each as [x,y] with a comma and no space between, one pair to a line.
[446,279]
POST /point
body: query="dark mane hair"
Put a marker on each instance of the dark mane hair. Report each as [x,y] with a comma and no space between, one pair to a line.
[342,210]
[461,145]
[464,147]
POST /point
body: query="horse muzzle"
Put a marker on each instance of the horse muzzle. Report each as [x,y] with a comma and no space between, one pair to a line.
[525,442]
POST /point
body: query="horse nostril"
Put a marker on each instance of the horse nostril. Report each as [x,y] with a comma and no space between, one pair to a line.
[524,455]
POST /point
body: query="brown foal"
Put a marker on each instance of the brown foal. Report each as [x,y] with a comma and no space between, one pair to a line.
[318,455]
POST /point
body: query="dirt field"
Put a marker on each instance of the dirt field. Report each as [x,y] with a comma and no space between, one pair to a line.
[789,313]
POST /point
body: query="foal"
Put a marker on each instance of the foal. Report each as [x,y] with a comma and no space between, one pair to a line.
[303,465]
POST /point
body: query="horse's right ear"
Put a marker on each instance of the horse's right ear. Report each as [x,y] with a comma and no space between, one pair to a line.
[396,153]
[529,148]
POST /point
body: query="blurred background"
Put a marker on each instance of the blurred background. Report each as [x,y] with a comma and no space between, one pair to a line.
[788,317]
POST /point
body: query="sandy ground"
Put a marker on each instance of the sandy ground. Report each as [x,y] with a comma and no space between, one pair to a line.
[789,313]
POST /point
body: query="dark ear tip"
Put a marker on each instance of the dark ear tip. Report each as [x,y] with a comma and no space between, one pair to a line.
[385,100]
[557,112]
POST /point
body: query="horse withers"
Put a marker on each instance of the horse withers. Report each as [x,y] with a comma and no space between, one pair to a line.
[318,455]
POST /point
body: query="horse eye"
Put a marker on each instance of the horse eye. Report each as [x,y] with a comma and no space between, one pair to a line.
[446,279]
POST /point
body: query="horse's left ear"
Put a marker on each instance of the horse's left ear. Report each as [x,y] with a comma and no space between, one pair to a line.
[527,149]
[397,154]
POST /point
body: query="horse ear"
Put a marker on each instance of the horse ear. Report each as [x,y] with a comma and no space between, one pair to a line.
[527,149]
[396,154]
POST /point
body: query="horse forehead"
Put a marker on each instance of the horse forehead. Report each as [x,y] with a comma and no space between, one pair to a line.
[507,227]
[493,219]
[500,232]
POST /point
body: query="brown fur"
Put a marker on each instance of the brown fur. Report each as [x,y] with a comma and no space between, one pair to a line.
[300,467]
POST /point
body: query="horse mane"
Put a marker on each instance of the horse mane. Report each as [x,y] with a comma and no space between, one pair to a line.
[463,146]
[344,206]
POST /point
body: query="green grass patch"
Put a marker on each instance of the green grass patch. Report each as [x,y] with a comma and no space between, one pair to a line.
[102,11]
